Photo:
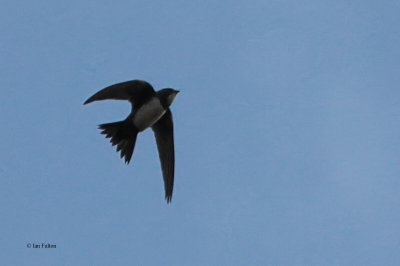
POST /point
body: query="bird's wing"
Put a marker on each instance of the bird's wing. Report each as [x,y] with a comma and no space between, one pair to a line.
[164,133]
[134,91]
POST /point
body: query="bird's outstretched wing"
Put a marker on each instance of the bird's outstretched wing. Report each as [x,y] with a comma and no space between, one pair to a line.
[135,91]
[164,133]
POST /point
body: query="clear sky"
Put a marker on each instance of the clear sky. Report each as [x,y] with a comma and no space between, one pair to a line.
[286,133]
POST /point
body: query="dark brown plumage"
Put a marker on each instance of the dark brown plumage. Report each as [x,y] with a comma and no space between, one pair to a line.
[149,109]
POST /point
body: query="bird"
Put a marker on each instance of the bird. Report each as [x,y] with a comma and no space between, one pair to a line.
[149,109]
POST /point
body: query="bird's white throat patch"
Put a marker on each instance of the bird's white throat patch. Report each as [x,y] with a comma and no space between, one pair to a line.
[148,114]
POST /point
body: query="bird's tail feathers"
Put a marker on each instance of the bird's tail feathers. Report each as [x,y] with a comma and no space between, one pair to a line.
[122,134]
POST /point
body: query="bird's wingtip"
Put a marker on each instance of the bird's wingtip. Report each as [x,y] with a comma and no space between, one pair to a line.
[87,101]
[168,198]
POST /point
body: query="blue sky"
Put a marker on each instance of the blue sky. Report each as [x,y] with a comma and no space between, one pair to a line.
[286,133]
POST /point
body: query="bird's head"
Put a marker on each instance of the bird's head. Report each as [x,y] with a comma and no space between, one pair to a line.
[167,96]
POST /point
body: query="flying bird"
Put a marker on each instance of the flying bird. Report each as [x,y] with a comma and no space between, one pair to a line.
[149,109]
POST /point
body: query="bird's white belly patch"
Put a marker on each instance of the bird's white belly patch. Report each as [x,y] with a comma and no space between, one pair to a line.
[148,114]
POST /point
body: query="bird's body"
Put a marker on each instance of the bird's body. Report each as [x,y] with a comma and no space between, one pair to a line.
[148,114]
[149,109]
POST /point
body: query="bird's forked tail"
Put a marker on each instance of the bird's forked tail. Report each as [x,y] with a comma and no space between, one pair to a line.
[122,134]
